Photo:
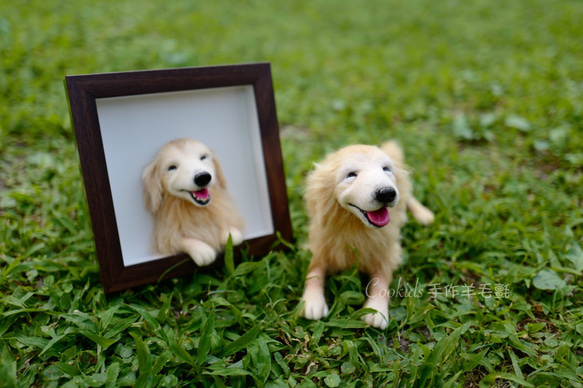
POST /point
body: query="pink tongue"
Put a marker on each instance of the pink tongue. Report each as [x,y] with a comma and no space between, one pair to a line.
[379,217]
[202,193]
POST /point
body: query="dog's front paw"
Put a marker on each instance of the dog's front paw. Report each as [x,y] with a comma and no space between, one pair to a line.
[236,236]
[380,319]
[203,254]
[315,306]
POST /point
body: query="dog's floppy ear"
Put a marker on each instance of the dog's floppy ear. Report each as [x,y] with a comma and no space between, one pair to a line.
[319,195]
[152,187]
[221,180]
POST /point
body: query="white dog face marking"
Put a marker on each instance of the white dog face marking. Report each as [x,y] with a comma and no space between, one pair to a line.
[188,171]
[366,186]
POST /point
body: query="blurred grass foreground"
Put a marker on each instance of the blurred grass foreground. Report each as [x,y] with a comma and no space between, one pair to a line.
[485,96]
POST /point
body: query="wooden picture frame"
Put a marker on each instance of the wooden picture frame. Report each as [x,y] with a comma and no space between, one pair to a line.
[120,121]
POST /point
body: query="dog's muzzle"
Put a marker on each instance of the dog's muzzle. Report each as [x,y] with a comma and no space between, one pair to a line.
[201,196]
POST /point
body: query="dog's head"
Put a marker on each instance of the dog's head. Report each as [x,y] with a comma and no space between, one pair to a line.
[185,169]
[361,179]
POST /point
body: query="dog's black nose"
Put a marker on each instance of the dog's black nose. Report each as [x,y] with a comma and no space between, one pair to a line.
[202,179]
[385,195]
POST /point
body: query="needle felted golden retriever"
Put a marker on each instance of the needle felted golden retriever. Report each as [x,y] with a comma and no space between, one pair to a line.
[357,199]
[186,191]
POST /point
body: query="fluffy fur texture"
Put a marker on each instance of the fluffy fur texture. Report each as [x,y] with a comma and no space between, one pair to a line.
[186,191]
[357,199]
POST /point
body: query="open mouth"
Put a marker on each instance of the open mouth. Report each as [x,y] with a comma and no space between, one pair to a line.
[378,218]
[202,197]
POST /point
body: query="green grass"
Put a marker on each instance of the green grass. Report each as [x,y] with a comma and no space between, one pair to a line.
[486,97]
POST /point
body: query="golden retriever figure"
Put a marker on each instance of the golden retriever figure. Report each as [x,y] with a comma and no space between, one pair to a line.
[186,191]
[357,199]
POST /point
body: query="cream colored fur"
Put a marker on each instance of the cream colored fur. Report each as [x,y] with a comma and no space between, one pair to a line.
[180,223]
[340,235]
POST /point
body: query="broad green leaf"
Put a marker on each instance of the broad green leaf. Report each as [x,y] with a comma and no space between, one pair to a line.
[461,127]
[52,373]
[346,323]
[96,380]
[165,309]
[53,342]
[559,138]
[282,363]
[228,371]
[520,123]
[347,368]
[548,279]
[65,222]
[107,316]
[179,351]
[575,256]
[99,340]
[34,249]
[112,373]
[154,324]
[446,345]
[453,382]
[6,201]
[491,379]
[515,365]
[144,380]
[7,368]
[318,331]
[262,359]
[120,325]
[332,380]
[535,327]
[161,361]
[245,268]
[37,342]
[68,369]
[353,355]
[473,360]
[82,320]
[512,338]
[426,373]
[12,266]
[144,356]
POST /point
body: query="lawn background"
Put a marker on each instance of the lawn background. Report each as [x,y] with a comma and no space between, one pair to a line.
[485,96]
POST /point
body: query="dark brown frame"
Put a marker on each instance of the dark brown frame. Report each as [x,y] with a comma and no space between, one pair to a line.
[83,90]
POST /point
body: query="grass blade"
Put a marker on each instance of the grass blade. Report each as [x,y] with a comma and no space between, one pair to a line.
[144,357]
[241,342]
[229,256]
[7,368]
[179,351]
[206,334]
[262,360]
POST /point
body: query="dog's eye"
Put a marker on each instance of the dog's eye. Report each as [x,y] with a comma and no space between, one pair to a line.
[351,175]
[387,169]
[204,157]
[172,168]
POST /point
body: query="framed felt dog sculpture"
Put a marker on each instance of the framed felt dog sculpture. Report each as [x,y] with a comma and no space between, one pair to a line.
[122,119]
